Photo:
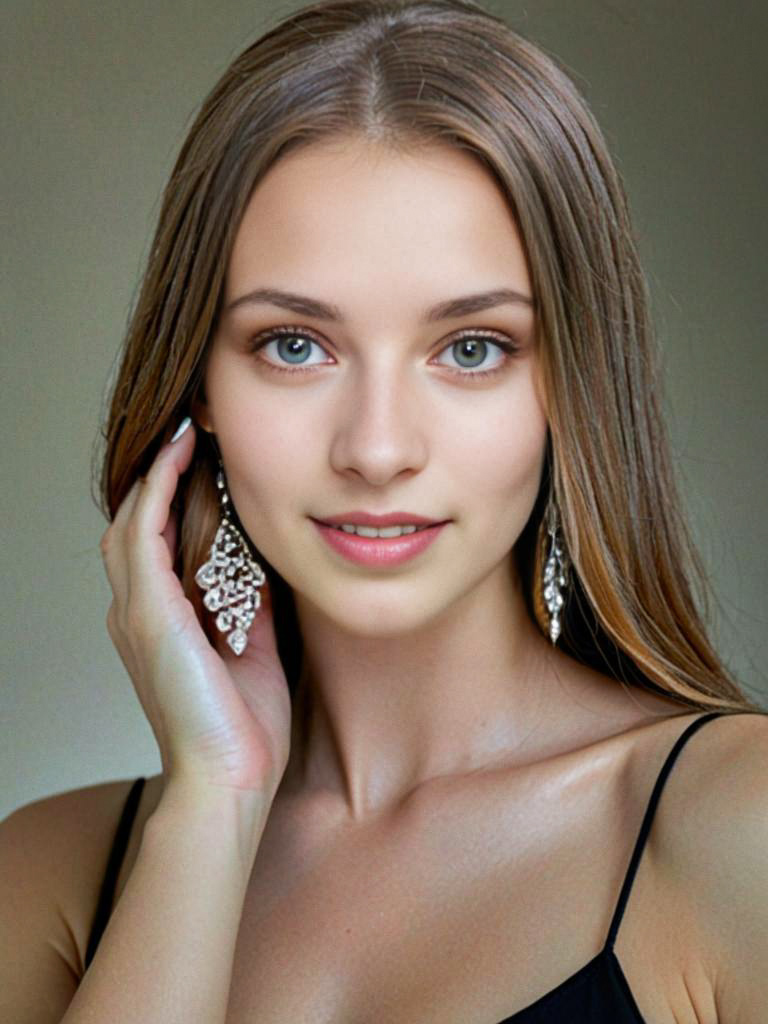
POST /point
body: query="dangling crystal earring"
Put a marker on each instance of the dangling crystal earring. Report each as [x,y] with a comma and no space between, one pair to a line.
[230,577]
[555,573]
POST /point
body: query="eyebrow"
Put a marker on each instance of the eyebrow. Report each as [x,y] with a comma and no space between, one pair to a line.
[306,306]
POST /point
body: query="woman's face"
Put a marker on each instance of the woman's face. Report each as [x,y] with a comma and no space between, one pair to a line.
[378,409]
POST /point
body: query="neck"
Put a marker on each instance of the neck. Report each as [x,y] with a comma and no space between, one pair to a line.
[376,718]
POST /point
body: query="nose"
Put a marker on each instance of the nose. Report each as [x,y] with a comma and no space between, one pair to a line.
[381,425]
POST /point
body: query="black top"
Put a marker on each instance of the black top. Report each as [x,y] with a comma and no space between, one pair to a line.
[598,993]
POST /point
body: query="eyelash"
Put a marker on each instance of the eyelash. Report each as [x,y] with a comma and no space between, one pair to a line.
[507,346]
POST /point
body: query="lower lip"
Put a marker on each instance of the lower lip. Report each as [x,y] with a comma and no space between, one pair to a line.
[378,551]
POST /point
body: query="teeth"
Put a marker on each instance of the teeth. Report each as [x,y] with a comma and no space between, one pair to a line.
[385,531]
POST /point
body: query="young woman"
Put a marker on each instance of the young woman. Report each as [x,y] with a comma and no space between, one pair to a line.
[401,579]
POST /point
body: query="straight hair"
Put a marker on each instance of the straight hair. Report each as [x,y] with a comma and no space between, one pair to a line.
[410,74]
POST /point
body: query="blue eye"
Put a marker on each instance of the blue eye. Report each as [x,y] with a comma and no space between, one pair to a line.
[474,348]
[294,346]
[291,345]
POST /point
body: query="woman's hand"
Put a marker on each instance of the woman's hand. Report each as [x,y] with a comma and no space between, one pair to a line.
[219,719]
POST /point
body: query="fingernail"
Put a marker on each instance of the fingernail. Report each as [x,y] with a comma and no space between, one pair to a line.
[181,428]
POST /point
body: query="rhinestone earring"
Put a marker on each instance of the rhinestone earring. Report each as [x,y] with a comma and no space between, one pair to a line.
[555,572]
[230,577]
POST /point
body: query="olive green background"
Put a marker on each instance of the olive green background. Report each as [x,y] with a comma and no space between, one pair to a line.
[96,100]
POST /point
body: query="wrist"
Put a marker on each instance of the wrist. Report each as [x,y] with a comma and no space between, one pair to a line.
[205,810]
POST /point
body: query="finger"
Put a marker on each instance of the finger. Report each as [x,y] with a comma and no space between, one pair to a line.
[155,499]
[170,534]
[152,524]
[127,505]
[122,537]
[112,545]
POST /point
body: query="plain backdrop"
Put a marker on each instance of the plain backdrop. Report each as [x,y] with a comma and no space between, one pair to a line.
[96,100]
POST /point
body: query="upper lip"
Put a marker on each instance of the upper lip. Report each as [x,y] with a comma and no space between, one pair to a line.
[358,518]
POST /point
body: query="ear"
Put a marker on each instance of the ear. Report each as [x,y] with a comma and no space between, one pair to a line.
[201,414]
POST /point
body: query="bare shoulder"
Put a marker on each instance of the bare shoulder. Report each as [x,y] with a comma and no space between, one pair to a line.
[55,850]
[725,774]
[713,843]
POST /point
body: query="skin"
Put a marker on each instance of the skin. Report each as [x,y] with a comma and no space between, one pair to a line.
[454,824]
[433,668]
[459,809]
[452,759]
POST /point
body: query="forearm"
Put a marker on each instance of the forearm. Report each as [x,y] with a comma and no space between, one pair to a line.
[166,954]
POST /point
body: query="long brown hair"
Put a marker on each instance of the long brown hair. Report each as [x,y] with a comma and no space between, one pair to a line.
[407,74]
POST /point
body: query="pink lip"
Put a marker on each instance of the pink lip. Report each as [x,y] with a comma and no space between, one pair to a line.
[360,518]
[378,551]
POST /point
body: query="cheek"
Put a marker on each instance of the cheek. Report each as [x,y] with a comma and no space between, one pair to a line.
[499,455]
[263,450]
[268,459]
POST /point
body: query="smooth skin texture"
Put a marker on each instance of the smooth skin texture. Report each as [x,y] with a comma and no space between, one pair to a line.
[219,721]
[448,838]
[433,668]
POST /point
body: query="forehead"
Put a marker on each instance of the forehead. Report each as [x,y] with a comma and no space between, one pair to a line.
[348,214]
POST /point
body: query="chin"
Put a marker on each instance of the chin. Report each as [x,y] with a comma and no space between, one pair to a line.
[379,618]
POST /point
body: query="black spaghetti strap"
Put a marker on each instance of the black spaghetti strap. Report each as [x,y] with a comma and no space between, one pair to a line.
[645,827]
[116,854]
